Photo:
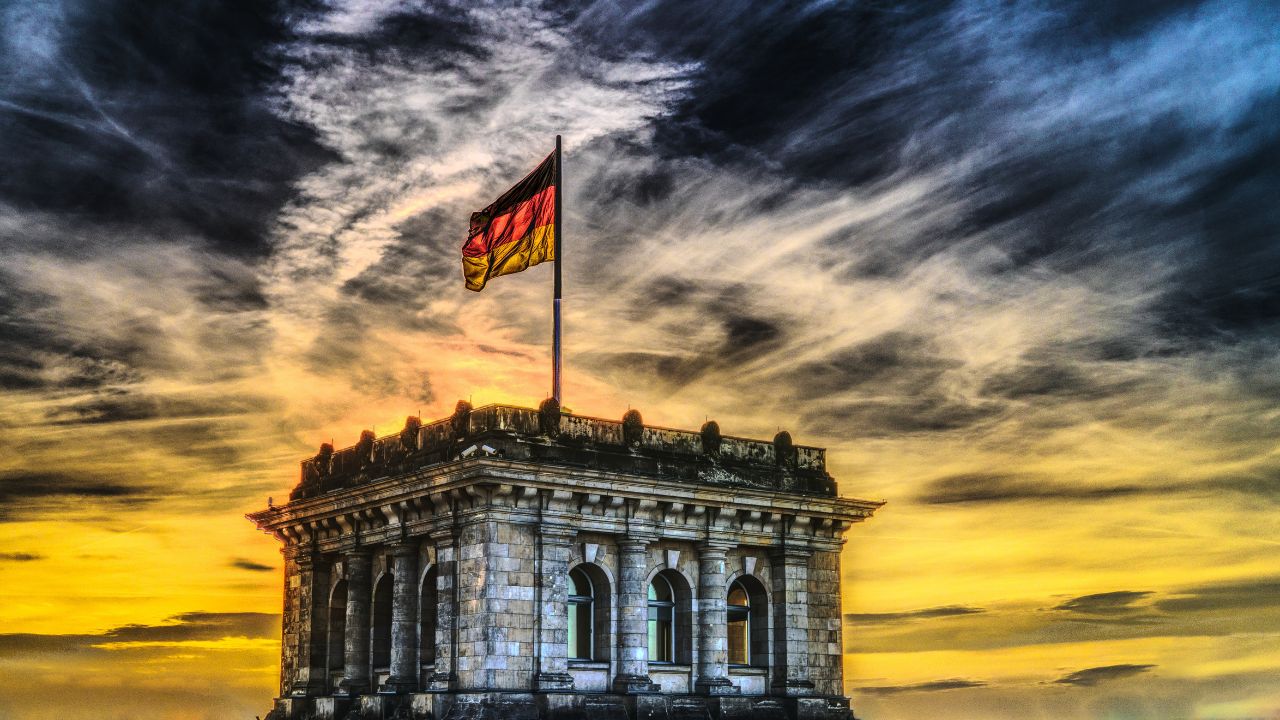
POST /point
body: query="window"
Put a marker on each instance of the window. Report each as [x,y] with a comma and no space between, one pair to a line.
[581,615]
[427,608]
[738,610]
[662,626]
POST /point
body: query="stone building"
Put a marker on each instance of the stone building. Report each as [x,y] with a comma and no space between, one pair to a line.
[508,562]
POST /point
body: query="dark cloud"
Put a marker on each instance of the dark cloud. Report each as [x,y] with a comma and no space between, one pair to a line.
[998,487]
[1040,380]
[243,564]
[932,413]
[923,614]
[1225,597]
[128,406]
[1107,603]
[934,686]
[1092,676]
[20,557]
[23,492]
[179,628]
[157,117]
[897,362]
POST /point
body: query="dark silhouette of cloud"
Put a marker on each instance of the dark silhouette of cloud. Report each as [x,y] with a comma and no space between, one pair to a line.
[1107,603]
[20,557]
[1223,597]
[179,628]
[934,686]
[998,487]
[1092,676]
[243,564]
[923,614]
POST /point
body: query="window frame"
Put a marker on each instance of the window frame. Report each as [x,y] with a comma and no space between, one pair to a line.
[667,607]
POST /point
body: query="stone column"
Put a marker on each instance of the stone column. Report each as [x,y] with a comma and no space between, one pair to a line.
[713,640]
[445,676]
[633,612]
[355,679]
[313,606]
[404,620]
[552,614]
[791,621]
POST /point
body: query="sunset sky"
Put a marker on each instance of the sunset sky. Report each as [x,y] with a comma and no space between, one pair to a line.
[1016,265]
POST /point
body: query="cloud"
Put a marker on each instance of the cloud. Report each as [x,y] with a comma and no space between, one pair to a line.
[243,564]
[1223,597]
[999,487]
[1107,603]
[923,614]
[1092,676]
[934,686]
[185,627]
[20,557]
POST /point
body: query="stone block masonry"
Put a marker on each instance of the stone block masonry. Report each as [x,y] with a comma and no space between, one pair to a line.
[511,562]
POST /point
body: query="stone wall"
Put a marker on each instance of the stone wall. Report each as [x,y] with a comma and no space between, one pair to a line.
[825,655]
[496,605]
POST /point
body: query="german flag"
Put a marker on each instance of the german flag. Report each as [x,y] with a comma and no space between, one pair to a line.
[516,231]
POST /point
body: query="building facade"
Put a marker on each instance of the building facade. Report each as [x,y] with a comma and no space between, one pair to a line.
[509,562]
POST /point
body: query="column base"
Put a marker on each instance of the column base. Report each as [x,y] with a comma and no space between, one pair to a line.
[400,685]
[793,688]
[350,687]
[715,686]
[635,685]
[553,682]
[442,682]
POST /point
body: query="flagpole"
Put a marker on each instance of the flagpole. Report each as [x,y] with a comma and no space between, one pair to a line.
[555,302]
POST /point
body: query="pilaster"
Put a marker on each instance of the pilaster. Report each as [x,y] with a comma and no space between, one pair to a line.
[791,620]
[551,619]
[445,676]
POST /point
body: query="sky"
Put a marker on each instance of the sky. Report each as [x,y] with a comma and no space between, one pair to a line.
[1015,264]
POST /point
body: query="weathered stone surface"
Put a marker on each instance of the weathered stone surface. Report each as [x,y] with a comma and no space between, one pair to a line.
[495,511]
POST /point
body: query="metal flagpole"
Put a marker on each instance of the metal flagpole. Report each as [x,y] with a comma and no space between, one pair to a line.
[555,303]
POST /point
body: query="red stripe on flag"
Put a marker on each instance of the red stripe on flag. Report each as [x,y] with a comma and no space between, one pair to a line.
[515,225]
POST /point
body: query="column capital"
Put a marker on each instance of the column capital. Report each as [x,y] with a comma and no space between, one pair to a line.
[794,553]
[716,546]
[362,554]
[442,535]
[405,549]
[636,541]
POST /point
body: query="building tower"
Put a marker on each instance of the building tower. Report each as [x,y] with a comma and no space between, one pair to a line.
[507,562]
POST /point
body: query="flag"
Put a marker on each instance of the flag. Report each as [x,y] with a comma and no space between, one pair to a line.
[516,231]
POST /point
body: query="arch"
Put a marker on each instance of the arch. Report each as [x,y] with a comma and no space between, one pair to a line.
[336,631]
[747,613]
[590,613]
[380,630]
[670,604]
[427,607]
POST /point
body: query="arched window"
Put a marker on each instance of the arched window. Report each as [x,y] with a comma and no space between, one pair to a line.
[335,637]
[662,621]
[738,611]
[747,613]
[581,615]
[380,637]
[427,618]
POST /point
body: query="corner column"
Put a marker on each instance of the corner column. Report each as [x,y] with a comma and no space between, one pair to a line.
[355,679]
[404,616]
[552,618]
[313,581]
[445,676]
[791,621]
[633,617]
[713,640]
